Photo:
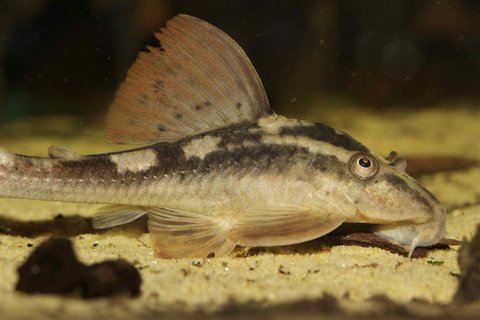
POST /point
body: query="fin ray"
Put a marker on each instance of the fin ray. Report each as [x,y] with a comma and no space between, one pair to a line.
[181,234]
[282,226]
[115,215]
[59,152]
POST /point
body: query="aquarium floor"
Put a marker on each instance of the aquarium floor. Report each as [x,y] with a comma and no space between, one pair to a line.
[251,281]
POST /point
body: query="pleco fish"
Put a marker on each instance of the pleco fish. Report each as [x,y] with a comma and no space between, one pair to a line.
[222,168]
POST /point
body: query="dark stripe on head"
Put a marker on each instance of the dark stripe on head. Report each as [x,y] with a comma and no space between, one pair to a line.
[401,185]
[427,191]
[331,164]
[321,132]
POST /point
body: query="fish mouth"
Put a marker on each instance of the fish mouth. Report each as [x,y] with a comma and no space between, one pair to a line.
[412,235]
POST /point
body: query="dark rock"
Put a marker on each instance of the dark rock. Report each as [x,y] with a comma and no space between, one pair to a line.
[469,261]
[51,268]
[54,268]
[112,277]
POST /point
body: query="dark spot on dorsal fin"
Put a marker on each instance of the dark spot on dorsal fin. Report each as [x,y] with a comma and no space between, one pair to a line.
[143,99]
[170,70]
[161,128]
[198,107]
[157,83]
[178,116]
[238,105]
[192,83]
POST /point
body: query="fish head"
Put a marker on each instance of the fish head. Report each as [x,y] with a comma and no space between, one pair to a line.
[382,193]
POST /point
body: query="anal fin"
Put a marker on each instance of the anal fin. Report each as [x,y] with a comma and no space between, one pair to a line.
[115,215]
[181,234]
[264,227]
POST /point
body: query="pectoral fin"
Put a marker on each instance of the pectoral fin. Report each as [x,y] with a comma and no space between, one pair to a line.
[58,152]
[282,226]
[181,234]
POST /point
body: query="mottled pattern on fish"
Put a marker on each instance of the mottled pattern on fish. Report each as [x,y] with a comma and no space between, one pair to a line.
[223,169]
[246,149]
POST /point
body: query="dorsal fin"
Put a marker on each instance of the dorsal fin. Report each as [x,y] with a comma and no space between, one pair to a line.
[198,80]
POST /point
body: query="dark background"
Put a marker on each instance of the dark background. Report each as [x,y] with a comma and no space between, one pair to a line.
[68,57]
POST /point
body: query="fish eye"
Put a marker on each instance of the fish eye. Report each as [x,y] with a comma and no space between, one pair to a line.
[364,162]
[363,166]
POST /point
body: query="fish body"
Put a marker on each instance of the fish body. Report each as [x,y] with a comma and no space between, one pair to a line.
[223,169]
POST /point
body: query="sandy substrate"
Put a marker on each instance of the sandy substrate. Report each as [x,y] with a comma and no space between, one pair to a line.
[268,277]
